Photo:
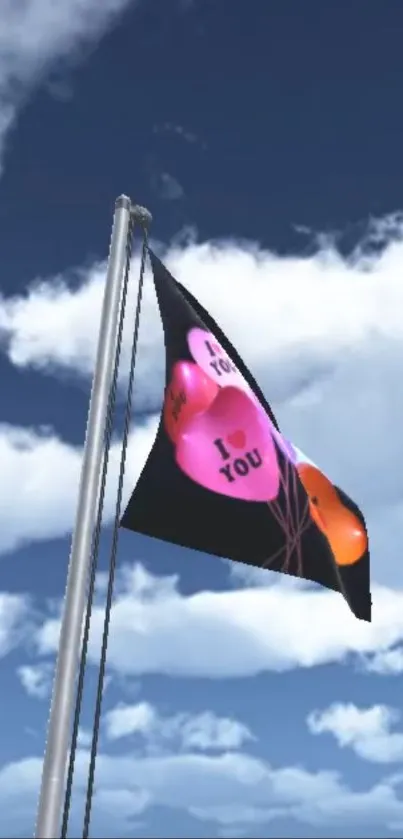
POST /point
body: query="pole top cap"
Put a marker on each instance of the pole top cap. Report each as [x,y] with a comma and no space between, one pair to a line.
[123,203]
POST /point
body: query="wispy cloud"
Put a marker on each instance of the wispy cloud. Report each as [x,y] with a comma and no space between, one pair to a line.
[35,35]
[15,612]
[167,187]
[36,679]
[178,131]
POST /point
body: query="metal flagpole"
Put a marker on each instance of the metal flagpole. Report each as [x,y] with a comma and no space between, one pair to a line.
[57,746]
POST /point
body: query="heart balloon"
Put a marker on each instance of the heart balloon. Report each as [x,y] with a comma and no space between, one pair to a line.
[188,392]
[344,531]
[229,449]
[212,358]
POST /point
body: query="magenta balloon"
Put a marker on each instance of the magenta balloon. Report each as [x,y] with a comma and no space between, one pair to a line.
[229,449]
[212,358]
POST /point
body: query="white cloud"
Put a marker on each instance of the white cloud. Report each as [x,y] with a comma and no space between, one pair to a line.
[365,730]
[167,187]
[157,629]
[207,731]
[35,35]
[14,621]
[36,679]
[387,662]
[31,464]
[183,731]
[84,738]
[322,335]
[251,576]
[228,789]
[130,719]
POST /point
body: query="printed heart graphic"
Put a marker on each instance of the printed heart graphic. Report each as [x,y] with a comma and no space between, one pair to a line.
[188,392]
[202,450]
[237,439]
[343,530]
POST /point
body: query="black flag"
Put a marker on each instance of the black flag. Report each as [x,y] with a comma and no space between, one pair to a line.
[222,479]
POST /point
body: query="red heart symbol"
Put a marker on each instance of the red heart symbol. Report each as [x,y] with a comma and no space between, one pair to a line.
[190,390]
[237,439]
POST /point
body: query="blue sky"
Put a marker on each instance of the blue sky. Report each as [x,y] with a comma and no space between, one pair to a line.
[266,140]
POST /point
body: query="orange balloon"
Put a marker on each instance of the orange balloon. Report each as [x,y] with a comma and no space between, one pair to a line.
[343,530]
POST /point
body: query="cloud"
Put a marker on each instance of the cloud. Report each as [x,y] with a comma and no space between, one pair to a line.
[177,130]
[321,333]
[228,789]
[131,719]
[156,629]
[84,738]
[251,576]
[365,730]
[32,462]
[15,614]
[36,35]
[387,662]
[182,731]
[167,187]
[36,679]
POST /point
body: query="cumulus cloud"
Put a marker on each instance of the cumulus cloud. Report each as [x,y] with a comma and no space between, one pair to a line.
[157,629]
[228,789]
[368,731]
[36,35]
[182,731]
[32,462]
[322,334]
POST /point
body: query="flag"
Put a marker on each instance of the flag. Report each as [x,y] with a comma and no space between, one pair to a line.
[222,479]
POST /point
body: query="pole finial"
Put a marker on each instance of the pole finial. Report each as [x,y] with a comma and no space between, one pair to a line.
[123,203]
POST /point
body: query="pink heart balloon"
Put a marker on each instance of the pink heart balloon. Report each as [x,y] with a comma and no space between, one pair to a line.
[212,358]
[229,449]
[189,391]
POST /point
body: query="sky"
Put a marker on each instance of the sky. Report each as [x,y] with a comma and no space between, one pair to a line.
[266,139]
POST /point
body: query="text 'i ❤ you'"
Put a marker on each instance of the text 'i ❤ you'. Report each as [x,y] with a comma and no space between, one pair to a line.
[239,466]
[220,364]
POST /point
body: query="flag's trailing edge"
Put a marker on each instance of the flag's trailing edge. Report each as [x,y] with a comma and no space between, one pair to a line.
[221,478]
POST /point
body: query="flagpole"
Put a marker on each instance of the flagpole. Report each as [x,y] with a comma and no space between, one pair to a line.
[57,745]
